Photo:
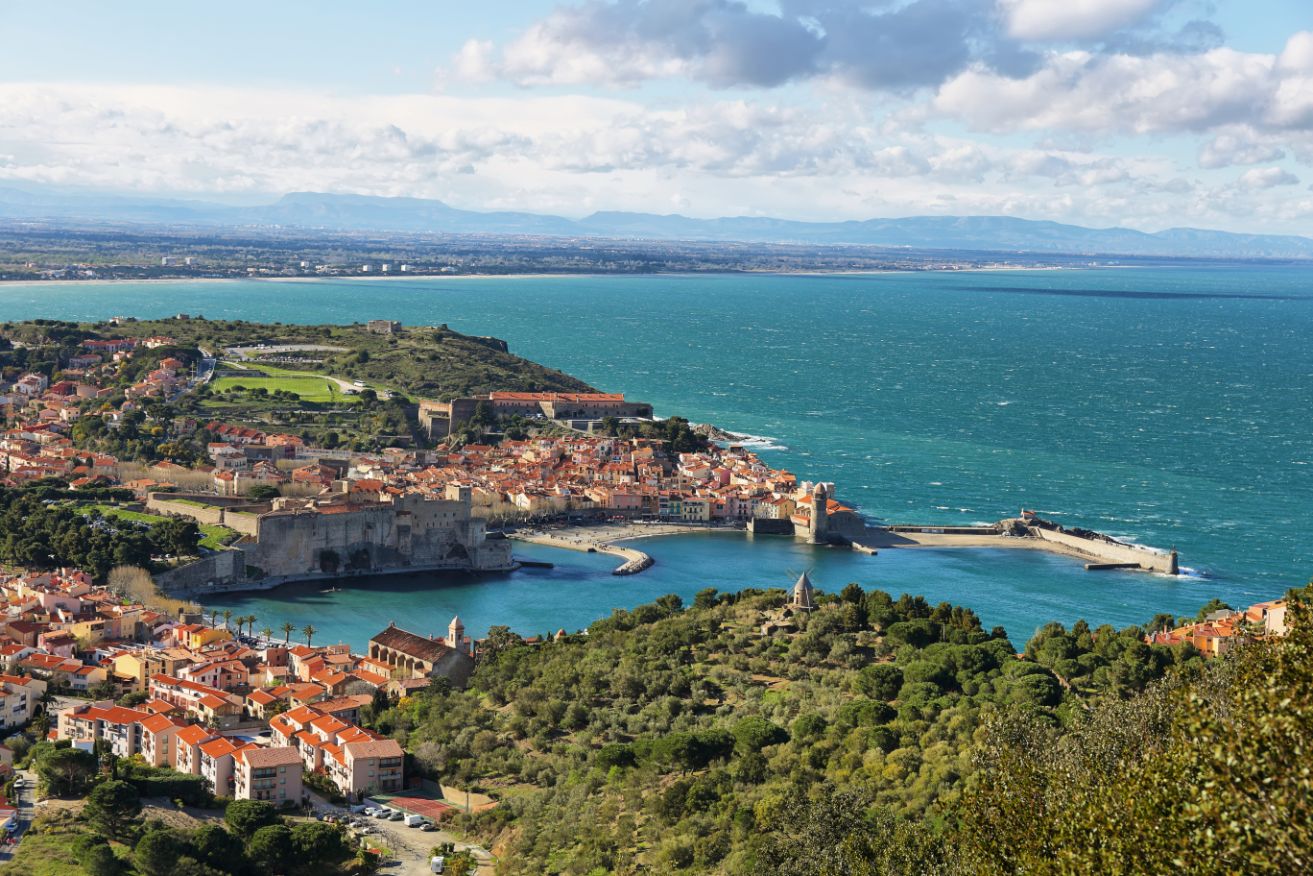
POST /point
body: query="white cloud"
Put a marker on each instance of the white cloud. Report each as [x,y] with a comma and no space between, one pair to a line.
[1132,94]
[1267,177]
[1297,56]
[1072,19]
[571,154]
[1241,146]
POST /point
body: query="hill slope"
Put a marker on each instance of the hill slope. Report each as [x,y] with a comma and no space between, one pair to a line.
[421,361]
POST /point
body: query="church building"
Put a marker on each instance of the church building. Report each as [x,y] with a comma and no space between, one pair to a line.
[416,656]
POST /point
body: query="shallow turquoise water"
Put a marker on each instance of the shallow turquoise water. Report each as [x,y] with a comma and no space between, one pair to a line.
[1170,406]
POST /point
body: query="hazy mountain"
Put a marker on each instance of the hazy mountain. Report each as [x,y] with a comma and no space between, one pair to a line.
[311,210]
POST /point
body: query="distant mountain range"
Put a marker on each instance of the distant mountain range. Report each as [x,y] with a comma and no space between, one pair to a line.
[312,210]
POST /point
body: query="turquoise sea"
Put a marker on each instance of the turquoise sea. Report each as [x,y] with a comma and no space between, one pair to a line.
[1166,405]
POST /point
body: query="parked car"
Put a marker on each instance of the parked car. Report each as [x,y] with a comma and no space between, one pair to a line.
[428,826]
[438,864]
[397,815]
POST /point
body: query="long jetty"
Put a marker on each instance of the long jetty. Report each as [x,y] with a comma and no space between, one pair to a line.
[634,560]
[1100,552]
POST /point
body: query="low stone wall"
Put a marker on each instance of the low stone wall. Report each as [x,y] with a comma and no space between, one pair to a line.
[1111,552]
[159,503]
[214,510]
[241,521]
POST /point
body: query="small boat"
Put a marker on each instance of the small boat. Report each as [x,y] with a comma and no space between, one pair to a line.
[864,549]
[330,590]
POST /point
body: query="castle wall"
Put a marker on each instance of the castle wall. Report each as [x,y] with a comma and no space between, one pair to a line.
[221,567]
[410,532]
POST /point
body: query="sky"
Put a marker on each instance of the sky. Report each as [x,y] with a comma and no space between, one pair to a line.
[1143,113]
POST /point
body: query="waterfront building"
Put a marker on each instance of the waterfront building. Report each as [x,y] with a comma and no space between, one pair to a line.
[420,657]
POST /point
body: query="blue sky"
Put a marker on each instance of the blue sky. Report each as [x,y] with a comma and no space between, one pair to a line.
[1148,113]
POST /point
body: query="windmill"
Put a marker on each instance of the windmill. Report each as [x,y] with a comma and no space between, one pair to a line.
[802,595]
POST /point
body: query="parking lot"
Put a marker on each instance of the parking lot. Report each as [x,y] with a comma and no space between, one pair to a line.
[410,846]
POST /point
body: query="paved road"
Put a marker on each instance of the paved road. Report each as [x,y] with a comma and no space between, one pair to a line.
[26,810]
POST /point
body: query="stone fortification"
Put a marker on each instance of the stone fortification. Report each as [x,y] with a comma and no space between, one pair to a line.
[308,539]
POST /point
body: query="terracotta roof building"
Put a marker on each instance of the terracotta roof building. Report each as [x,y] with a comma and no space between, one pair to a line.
[418,656]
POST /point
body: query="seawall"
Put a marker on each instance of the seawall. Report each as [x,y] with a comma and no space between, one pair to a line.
[1106,551]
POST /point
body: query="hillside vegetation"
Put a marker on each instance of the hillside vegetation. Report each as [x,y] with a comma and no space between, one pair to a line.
[884,736]
[423,362]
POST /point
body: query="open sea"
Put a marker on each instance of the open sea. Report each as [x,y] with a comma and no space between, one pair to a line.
[1169,406]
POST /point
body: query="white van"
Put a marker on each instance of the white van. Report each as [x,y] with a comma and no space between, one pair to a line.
[438,864]
[414,820]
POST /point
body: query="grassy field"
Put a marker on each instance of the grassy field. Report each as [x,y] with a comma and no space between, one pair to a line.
[309,387]
[214,537]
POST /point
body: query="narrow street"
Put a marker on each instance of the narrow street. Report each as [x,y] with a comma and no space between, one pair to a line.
[26,810]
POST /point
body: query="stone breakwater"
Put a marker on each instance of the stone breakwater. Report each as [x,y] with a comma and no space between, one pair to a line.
[635,560]
[603,540]
[1096,549]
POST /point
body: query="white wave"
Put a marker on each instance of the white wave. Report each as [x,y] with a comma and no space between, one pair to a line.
[752,442]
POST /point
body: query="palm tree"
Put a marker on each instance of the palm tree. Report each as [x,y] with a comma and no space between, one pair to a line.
[250,623]
[266,633]
[309,632]
[227,616]
[287,628]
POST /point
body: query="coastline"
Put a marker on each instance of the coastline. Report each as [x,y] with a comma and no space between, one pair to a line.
[370,278]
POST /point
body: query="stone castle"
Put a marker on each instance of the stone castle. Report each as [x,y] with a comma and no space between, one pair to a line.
[345,534]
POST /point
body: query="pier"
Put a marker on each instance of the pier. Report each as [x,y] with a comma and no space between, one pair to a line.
[634,560]
[1100,552]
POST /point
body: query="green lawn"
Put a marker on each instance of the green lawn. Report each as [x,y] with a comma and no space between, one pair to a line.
[213,536]
[309,387]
